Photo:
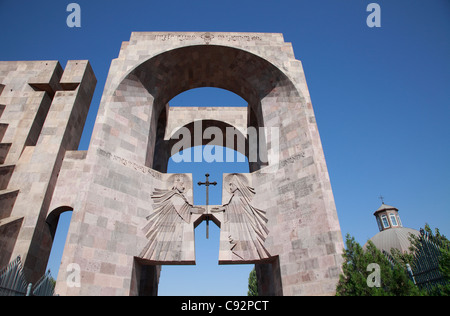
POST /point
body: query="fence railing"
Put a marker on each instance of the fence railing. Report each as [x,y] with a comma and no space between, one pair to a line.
[13,282]
[425,266]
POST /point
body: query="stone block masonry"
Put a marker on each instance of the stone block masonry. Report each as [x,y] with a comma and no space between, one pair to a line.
[45,108]
[121,196]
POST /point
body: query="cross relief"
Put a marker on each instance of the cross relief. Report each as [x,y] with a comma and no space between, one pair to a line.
[169,227]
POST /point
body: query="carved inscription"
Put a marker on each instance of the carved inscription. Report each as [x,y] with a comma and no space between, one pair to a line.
[173,36]
[234,38]
[129,164]
[292,159]
[207,37]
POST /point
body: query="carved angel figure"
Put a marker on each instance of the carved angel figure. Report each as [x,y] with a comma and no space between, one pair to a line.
[245,224]
[166,224]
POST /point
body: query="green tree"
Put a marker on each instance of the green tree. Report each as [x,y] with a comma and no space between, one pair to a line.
[359,278]
[252,284]
[444,268]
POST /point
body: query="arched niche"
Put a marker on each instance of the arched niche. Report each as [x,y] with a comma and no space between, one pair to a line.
[198,133]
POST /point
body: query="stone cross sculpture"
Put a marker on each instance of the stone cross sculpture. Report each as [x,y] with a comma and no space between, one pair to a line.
[207,184]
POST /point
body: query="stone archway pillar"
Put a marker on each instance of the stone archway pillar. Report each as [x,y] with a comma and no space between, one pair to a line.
[113,205]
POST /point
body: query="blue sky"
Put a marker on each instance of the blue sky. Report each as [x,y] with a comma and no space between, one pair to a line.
[381,95]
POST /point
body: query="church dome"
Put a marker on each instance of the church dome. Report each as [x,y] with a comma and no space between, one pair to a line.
[392,233]
[397,238]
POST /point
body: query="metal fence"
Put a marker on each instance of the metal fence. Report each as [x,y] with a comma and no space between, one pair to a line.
[425,266]
[13,282]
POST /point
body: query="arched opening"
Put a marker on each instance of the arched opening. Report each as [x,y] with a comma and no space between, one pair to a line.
[220,118]
[208,97]
[199,117]
[209,277]
[208,133]
[148,89]
[58,222]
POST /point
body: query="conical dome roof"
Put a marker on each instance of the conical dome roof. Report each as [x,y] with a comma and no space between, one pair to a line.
[394,238]
[385,207]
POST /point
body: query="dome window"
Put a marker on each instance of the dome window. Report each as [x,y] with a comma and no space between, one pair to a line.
[393,220]
[385,221]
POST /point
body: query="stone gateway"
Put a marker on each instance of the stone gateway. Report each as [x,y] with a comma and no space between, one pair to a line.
[129,215]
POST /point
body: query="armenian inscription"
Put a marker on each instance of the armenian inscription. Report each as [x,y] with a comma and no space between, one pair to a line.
[207,37]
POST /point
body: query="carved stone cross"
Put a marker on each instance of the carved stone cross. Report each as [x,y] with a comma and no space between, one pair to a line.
[207,184]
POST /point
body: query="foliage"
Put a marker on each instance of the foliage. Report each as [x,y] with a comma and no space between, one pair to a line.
[393,269]
[252,284]
[394,280]
[444,268]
